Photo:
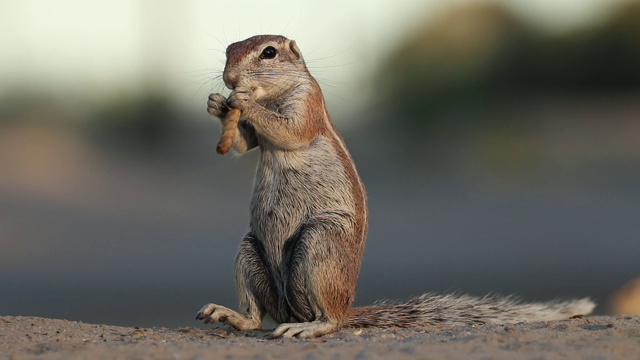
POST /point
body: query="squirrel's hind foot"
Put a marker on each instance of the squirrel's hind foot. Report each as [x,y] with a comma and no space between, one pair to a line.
[304,330]
[212,313]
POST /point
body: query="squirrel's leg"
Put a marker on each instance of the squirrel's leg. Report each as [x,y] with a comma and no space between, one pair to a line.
[255,284]
[320,282]
[255,290]
[287,131]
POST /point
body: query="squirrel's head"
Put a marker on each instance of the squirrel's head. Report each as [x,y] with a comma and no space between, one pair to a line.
[270,65]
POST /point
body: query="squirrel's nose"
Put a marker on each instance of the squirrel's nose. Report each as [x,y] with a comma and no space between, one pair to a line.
[230,78]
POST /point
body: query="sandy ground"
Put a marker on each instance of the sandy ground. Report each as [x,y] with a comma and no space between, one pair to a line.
[587,338]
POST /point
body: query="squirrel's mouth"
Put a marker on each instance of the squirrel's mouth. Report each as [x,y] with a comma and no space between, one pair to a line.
[258,92]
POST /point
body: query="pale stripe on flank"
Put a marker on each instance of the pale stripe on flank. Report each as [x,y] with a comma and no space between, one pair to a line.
[340,142]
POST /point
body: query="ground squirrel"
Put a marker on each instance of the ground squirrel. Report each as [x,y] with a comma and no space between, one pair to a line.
[301,259]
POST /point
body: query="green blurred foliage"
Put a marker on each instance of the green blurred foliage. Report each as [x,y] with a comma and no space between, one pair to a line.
[452,74]
[144,121]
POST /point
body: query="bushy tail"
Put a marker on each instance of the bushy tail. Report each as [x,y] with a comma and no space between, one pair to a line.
[431,309]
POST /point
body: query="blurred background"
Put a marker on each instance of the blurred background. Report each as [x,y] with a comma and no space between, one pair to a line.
[499,142]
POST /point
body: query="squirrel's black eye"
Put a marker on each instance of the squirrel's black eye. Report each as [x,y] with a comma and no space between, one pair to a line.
[268,53]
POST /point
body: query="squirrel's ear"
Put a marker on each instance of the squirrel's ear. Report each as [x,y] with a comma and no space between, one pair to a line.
[295,50]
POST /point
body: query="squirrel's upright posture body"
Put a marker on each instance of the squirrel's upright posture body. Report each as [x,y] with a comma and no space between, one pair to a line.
[301,259]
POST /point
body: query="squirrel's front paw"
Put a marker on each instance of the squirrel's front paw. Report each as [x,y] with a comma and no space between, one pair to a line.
[241,98]
[217,105]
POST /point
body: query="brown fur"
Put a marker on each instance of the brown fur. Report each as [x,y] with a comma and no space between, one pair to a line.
[301,259]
